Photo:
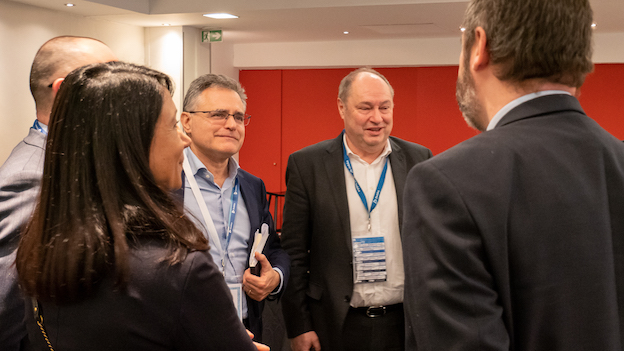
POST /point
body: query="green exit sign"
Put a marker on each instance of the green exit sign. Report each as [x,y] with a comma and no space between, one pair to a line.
[212,35]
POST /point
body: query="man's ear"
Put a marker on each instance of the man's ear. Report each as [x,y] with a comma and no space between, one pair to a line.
[480,56]
[56,85]
[341,108]
[185,121]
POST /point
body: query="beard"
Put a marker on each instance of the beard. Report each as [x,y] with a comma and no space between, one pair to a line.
[466,95]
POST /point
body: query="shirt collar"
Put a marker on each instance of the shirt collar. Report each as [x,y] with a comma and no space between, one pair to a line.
[386,151]
[43,128]
[510,106]
[197,165]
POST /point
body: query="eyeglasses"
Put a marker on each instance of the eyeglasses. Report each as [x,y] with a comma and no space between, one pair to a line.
[220,116]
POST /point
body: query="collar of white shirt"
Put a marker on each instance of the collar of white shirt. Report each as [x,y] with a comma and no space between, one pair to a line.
[386,151]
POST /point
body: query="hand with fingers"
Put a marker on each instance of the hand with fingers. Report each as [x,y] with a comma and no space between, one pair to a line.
[259,287]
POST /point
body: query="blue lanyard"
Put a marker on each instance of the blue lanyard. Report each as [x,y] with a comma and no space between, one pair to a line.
[380,184]
[233,209]
[38,127]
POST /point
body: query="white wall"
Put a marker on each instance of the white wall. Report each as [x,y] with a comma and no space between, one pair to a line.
[164,52]
[222,59]
[196,56]
[23,29]
[608,48]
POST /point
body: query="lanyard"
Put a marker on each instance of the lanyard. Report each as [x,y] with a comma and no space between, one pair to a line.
[232,216]
[212,230]
[380,184]
[38,127]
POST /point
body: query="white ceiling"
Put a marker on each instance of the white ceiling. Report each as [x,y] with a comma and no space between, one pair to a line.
[304,20]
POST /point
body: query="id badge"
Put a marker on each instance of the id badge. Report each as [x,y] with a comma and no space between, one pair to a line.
[369,260]
[236,289]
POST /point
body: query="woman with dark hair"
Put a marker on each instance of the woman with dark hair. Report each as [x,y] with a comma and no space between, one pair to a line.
[108,257]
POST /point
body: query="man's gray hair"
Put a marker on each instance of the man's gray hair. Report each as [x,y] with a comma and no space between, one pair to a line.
[345,85]
[211,81]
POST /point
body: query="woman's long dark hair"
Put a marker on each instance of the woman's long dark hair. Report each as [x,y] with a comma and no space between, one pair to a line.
[97,191]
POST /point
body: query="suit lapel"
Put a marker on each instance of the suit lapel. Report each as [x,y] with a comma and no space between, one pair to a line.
[334,166]
[246,190]
[399,174]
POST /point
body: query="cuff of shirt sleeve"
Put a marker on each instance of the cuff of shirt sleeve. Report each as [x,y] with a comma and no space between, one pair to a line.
[279,287]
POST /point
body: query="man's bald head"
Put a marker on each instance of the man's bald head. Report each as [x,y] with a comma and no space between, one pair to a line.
[55,59]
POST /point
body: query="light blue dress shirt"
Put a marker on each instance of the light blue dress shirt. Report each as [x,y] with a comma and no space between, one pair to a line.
[233,259]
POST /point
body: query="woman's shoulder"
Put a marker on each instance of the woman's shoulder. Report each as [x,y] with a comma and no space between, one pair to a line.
[149,264]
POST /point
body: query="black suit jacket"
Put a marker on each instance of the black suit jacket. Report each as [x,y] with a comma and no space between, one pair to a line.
[514,239]
[316,234]
[254,194]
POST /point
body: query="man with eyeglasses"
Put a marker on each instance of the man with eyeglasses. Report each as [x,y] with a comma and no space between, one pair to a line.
[20,175]
[228,203]
[342,226]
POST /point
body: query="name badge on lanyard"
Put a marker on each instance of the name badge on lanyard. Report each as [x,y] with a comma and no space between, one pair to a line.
[369,259]
[369,252]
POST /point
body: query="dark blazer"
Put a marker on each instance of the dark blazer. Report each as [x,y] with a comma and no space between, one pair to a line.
[316,234]
[186,306]
[254,194]
[20,180]
[514,239]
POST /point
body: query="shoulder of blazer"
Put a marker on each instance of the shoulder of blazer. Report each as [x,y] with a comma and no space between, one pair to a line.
[251,182]
[410,149]
[325,146]
[244,176]
[35,138]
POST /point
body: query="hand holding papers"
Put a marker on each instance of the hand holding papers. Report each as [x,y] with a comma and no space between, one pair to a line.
[261,278]
[260,239]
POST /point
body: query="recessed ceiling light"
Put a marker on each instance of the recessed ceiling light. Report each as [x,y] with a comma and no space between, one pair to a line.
[593,25]
[345,32]
[463,29]
[70,5]
[166,24]
[220,15]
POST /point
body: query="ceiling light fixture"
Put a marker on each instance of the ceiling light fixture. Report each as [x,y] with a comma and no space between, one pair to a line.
[166,24]
[593,25]
[463,29]
[345,32]
[70,5]
[219,15]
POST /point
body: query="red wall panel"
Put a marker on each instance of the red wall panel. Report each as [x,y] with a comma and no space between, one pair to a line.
[298,108]
[260,154]
[602,97]
[310,112]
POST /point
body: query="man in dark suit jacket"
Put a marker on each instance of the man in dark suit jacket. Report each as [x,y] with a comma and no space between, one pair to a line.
[324,306]
[514,239]
[214,118]
[20,175]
